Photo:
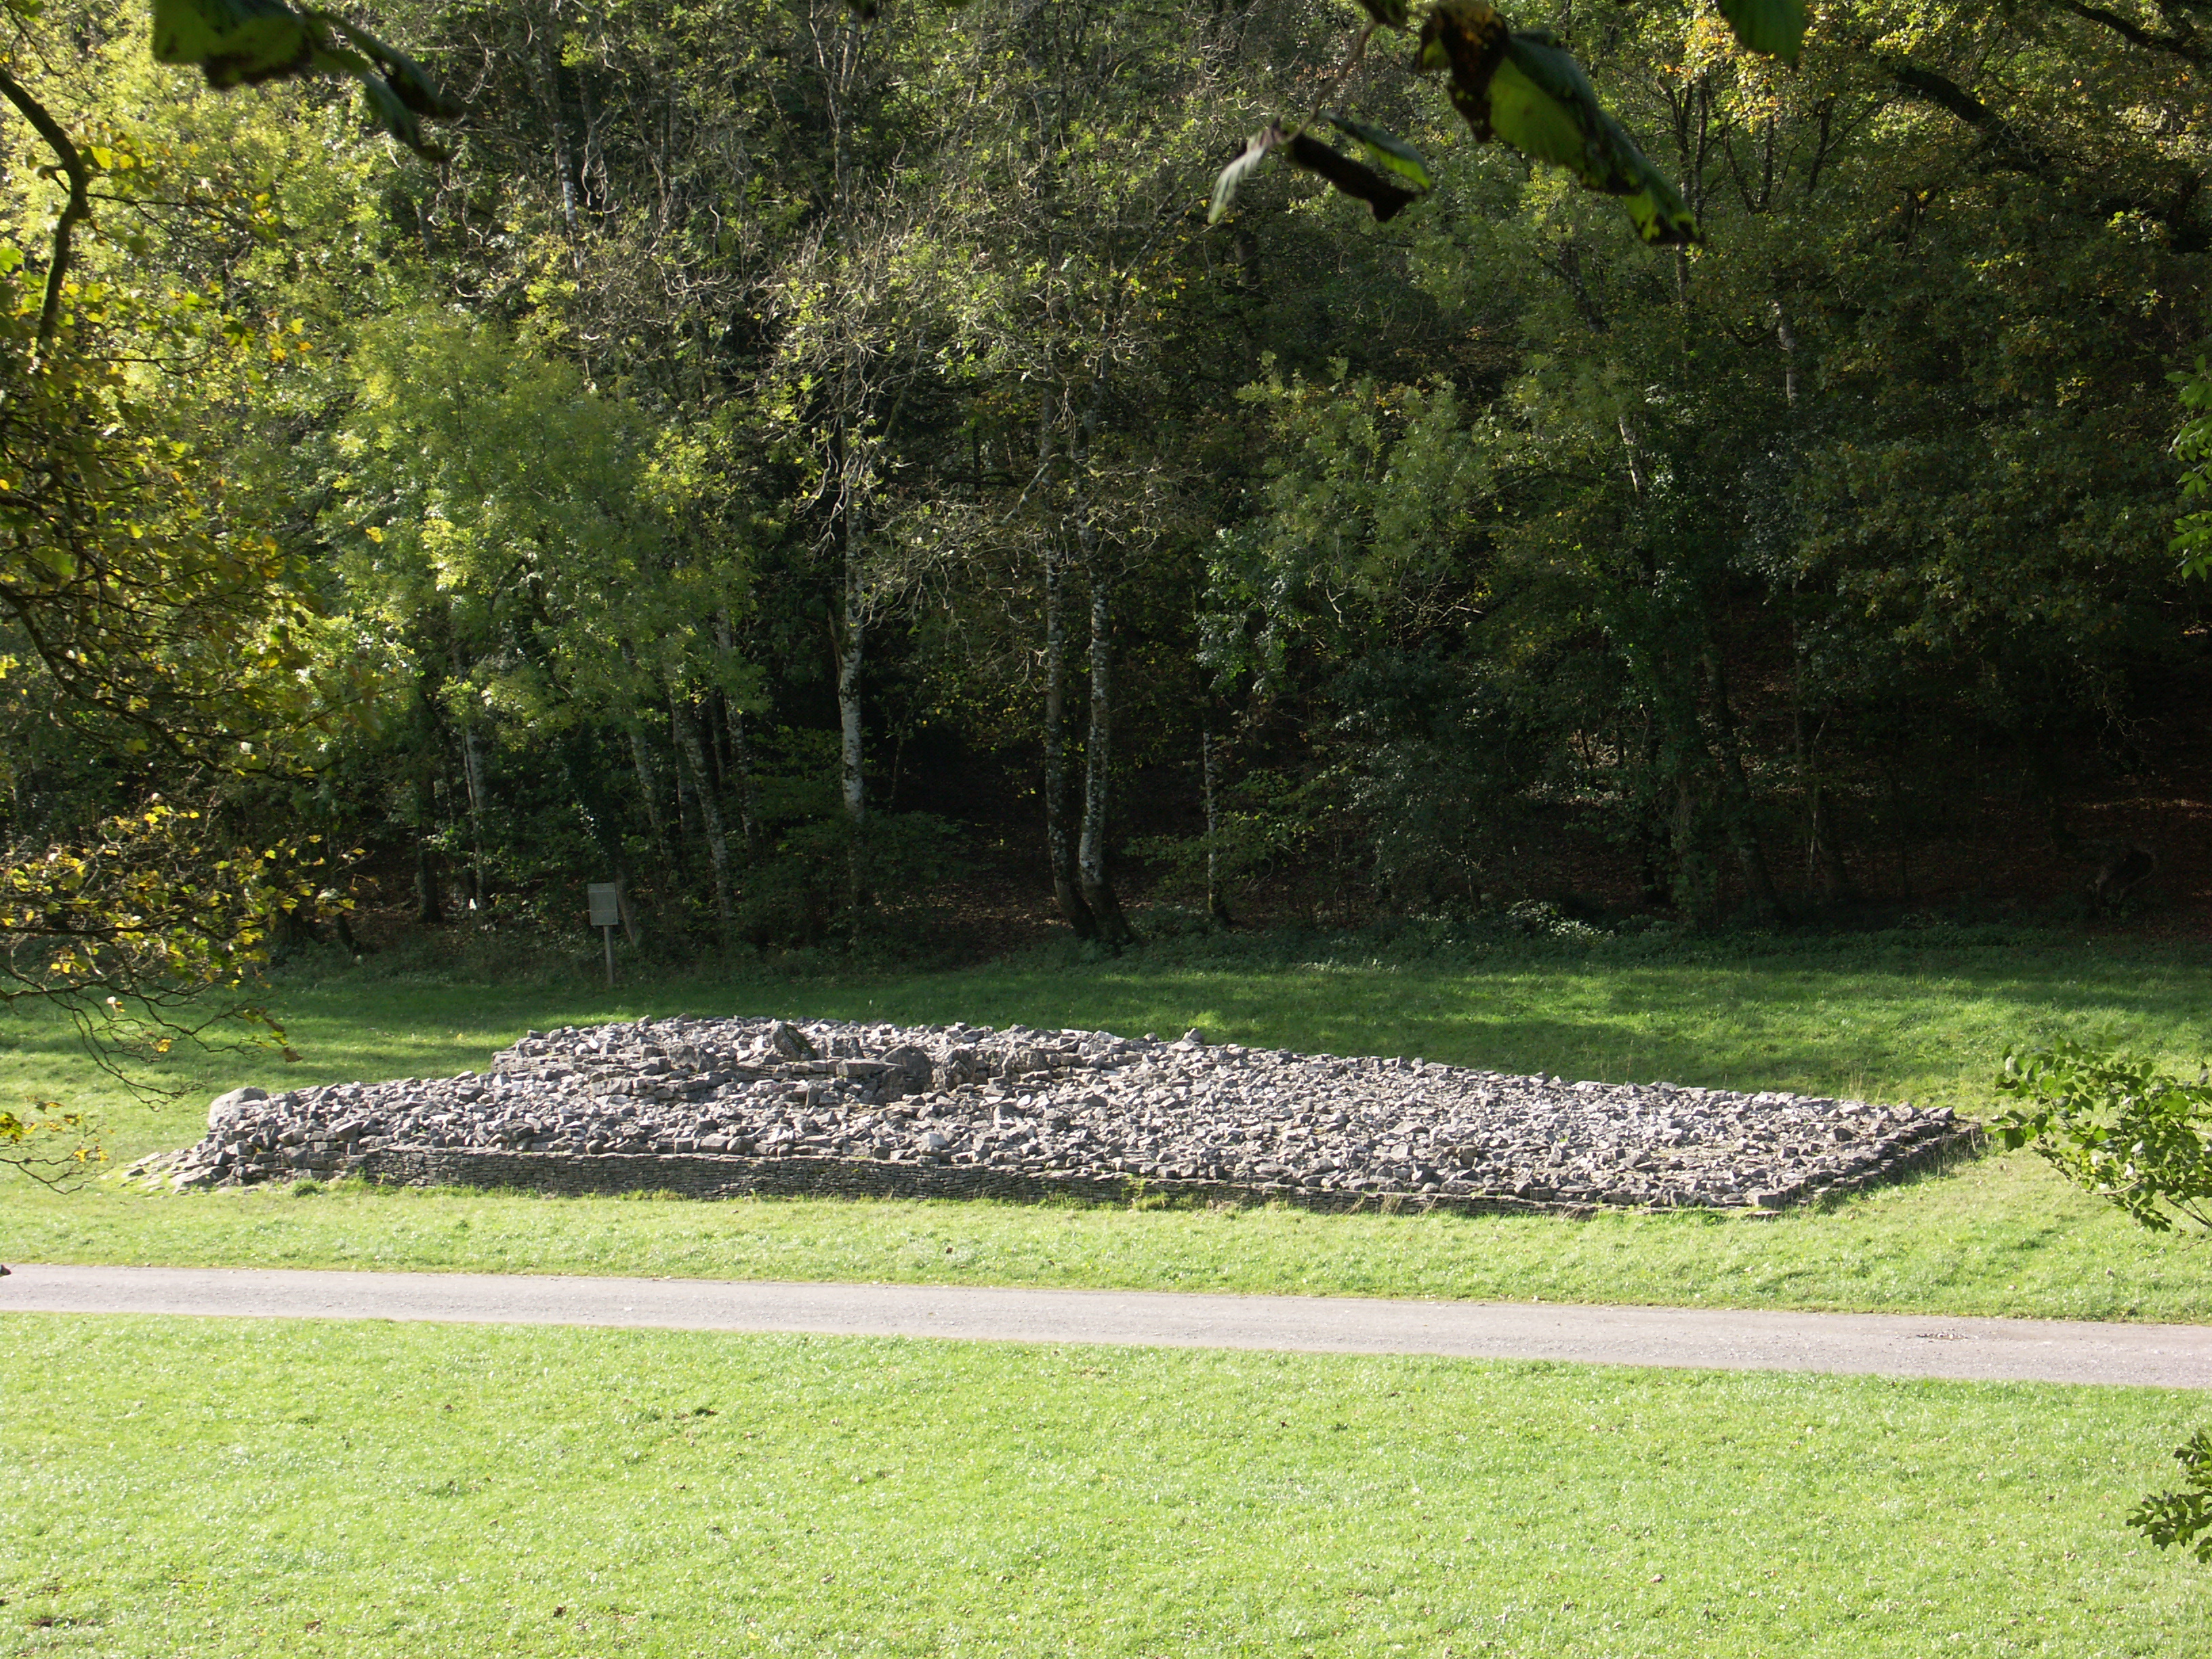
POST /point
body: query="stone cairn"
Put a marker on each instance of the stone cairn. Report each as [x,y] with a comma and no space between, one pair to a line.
[723,1107]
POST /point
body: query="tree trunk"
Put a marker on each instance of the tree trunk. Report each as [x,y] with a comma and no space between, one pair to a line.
[1735,796]
[741,770]
[687,803]
[1650,822]
[1898,827]
[472,773]
[550,76]
[1217,908]
[1091,858]
[1824,857]
[852,647]
[851,658]
[741,751]
[429,906]
[648,785]
[693,753]
[1786,340]
[1695,883]
[1059,846]
[473,778]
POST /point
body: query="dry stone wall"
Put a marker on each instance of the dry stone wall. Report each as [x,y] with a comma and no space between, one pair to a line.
[719,1107]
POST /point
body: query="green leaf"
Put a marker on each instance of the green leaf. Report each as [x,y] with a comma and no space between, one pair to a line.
[233,41]
[238,42]
[1468,38]
[1529,91]
[2182,1517]
[1256,149]
[1542,103]
[2120,1129]
[1774,26]
[1389,152]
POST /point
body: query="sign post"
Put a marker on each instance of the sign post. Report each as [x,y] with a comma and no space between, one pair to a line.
[605,900]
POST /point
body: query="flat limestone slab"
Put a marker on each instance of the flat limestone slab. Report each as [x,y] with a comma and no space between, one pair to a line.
[1888,1344]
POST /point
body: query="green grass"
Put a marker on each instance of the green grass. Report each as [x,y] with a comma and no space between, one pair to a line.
[179,1486]
[1883,1016]
[2000,1237]
[207,1488]
[1887,1017]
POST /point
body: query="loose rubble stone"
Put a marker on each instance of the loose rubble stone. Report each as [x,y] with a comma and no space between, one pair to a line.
[1061,1109]
[224,1108]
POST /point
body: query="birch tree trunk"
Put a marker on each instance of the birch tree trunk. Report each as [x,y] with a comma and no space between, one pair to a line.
[852,656]
[692,752]
[545,73]
[1736,802]
[1209,765]
[852,649]
[1090,858]
[1059,846]
[648,785]
[741,750]
[472,776]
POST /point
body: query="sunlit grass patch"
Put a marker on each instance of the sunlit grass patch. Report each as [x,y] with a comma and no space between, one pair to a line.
[225,1487]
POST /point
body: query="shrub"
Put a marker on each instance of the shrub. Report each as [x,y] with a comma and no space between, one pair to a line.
[2143,1139]
[2124,1130]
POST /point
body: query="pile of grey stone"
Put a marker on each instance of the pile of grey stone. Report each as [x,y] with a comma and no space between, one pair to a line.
[1068,1105]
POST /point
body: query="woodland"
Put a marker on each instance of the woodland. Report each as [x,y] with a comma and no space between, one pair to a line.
[804,463]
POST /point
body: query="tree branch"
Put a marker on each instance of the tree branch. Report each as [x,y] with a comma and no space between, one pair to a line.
[2181,45]
[2016,149]
[1947,93]
[78,206]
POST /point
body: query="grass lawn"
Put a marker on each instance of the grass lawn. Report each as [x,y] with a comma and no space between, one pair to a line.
[209,1488]
[1883,1017]
[2000,1237]
[1888,1017]
[179,1486]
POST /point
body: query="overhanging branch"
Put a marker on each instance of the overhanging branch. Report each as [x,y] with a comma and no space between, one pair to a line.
[78,207]
[2181,45]
[2014,148]
[1940,90]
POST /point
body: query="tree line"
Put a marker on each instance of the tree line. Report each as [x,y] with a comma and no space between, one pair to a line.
[776,438]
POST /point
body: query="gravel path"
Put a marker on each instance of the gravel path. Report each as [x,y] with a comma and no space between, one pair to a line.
[1081,1103]
[1913,1346]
